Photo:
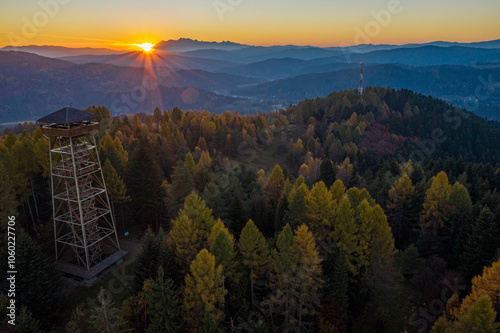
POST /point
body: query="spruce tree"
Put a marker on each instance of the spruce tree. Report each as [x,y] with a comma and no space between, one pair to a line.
[327,172]
[482,244]
[146,263]
[401,210]
[295,215]
[39,285]
[280,213]
[144,181]
[26,323]
[106,318]
[253,248]
[165,307]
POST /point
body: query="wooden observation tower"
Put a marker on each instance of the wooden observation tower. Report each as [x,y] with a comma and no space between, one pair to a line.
[86,242]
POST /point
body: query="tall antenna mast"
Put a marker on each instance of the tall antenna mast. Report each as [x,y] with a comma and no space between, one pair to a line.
[360,89]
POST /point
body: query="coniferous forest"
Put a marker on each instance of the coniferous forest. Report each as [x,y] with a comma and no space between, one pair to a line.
[349,213]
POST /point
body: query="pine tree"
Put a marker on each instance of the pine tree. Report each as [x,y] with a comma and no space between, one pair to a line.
[165,307]
[296,213]
[308,276]
[488,283]
[223,250]
[283,301]
[336,285]
[479,318]
[280,213]
[114,184]
[38,288]
[401,209]
[182,185]
[274,185]
[337,191]
[165,257]
[144,181]
[436,209]
[482,244]
[146,263]
[327,172]
[320,210]
[382,241]
[106,318]
[8,203]
[253,248]
[196,209]
[203,291]
[135,309]
[189,163]
[26,323]
[346,236]
[184,242]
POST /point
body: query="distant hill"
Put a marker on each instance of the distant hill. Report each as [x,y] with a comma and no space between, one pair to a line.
[59,51]
[452,83]
[187,44]
[429,55]
[31,86]
[173,61]
[256,76]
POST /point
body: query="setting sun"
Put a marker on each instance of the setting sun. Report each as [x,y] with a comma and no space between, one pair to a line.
[146,47]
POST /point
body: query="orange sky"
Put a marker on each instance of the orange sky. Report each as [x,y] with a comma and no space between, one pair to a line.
[117,24]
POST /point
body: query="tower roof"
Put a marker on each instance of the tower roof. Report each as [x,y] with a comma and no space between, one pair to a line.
[67,115]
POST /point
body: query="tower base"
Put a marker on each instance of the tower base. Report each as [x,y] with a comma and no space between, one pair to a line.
[81,274]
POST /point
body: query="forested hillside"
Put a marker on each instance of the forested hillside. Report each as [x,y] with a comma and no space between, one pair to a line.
[349,213]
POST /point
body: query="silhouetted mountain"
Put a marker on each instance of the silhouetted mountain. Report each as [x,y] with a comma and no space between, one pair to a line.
[31,85]
[452,83]
[59,51]
[429,55]
[173,61]
[187,44]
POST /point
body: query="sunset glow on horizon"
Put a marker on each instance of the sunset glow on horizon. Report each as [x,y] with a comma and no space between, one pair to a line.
[123,24]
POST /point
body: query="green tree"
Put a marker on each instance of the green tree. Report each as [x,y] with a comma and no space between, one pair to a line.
[38,288]
[280,213]
[203,291]
[308,276]
[223,250]
[165,307]
[106,318]
[253,248]
[26,323]
[196,209]
[144,181]
[146,263]
[436,208]
[482,244]
[182,185]
[327,172]
[135,309]
[283,301]
[401,209]
[320,210]
[295,215]
[272,188]
[8,203]
[184,242]
[351,239]
[480,318]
